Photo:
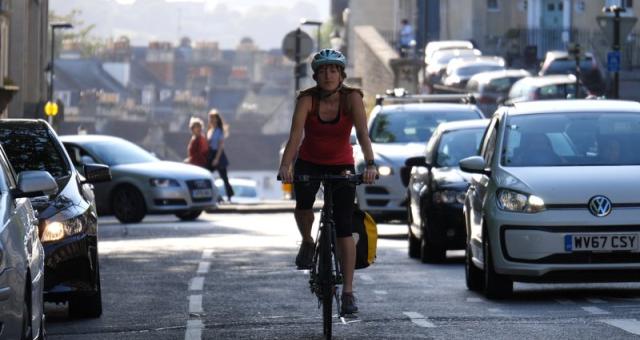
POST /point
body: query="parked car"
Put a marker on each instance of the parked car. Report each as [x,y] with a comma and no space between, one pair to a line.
[21,254]
[460,70]
[245,190]
[142,184]
[491,88]
[68,218]
[554,195]
[545,88]
[437,67]
[435,46]
[436,189]
[560,62]
[399,131]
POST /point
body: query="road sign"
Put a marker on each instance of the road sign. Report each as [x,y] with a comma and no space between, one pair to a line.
[289,45]
[606,24]
[613,61]
[51,109]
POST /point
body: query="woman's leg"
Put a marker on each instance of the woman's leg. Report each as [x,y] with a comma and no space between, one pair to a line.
[347,249]
[223,174]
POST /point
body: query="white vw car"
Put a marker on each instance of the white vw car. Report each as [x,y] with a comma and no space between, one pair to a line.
[555,195]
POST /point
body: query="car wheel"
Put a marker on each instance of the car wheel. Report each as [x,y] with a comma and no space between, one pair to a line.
[414,242]
[496,286]
[27,332]
[430,252]
[473,274]
[188,215]
[88,306]
[128,204]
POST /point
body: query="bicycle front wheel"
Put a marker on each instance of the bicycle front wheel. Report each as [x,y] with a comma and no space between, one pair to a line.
[327,284]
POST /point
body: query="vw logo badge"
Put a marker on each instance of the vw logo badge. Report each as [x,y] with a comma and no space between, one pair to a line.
[600,206]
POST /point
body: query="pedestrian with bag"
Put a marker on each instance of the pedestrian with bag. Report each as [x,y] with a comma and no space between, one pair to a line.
[217,159]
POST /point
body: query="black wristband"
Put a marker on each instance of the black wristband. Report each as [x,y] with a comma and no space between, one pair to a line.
[371,162]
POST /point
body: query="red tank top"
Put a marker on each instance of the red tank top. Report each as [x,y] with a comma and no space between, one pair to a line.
[327,143]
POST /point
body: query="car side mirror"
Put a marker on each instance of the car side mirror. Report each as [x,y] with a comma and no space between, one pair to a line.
[96,173]
[474,165]
[35,183]
[405,171]
[86,159]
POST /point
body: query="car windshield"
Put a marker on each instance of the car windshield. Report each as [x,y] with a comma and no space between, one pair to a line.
[118,151]
[413,126]
[572,139]
[566,66]
[442,57]
[502,85]
[31,147]
[470,70]
[458,144]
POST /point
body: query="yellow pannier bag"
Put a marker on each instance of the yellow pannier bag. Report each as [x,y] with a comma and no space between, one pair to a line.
[365,233]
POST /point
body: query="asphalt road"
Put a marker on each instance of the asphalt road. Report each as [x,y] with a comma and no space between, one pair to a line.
[231,276]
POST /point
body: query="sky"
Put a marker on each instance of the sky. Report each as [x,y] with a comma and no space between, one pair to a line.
[224,21]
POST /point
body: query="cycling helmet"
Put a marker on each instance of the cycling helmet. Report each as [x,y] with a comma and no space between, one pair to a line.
[328,56]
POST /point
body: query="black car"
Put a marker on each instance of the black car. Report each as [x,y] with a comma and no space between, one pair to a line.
[68,220]
[560,62]
[436,190]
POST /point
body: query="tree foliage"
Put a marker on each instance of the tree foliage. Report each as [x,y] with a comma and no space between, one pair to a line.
[81,35]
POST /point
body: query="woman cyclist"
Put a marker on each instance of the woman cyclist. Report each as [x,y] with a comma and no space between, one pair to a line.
[325,115]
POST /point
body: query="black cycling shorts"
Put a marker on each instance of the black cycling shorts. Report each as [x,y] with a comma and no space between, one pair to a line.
[344,194]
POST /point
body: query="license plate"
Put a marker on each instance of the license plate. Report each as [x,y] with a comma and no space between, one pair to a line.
[601,242]
[201,193]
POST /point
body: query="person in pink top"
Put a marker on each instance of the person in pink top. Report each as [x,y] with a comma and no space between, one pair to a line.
[325,115]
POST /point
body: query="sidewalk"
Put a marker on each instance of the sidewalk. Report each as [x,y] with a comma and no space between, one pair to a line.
[262,207]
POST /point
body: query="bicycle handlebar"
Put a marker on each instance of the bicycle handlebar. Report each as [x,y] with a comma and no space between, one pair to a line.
[356,179]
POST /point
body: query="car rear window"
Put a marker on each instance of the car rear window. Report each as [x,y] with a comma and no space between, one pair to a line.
[568,66]
[413,126]
[31,147]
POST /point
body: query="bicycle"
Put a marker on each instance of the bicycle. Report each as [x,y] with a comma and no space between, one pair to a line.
[326,271]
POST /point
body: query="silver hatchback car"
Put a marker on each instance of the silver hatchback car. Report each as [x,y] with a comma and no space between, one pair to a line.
[555,196]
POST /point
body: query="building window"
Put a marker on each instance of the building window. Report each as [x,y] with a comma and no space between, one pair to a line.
[493,5]
[628,3]
[621,3]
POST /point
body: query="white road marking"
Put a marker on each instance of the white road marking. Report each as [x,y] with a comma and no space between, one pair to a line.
[206,254]
[419,319]
[596,301]
[474,300]
[365,277]
[195,304]
[197,283]
[595,310]
[380,292]
[629,325]
[194,330]
[203,267]
[565,302]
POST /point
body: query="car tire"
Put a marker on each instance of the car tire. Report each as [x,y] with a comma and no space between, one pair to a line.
[189,215]
[27,331]
[430,252]
[474,275]
[414,245]
[496,286]
[128,204]
[88,306]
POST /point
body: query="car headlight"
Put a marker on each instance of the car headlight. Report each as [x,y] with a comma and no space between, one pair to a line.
[163,182]
[57,230]
[509,200]
[448,196]
[384,170]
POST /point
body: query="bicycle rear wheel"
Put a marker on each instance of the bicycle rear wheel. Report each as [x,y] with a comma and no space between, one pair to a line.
[327,284]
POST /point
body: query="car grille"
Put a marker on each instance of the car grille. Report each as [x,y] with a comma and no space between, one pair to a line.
[199,184]
[376,190]
[170,202]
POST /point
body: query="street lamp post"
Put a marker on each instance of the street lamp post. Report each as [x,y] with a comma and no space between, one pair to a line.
[306,22]
[616,10]
[50,104]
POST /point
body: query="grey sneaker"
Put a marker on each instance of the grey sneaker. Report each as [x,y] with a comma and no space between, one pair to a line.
[348,304]
[304,260]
